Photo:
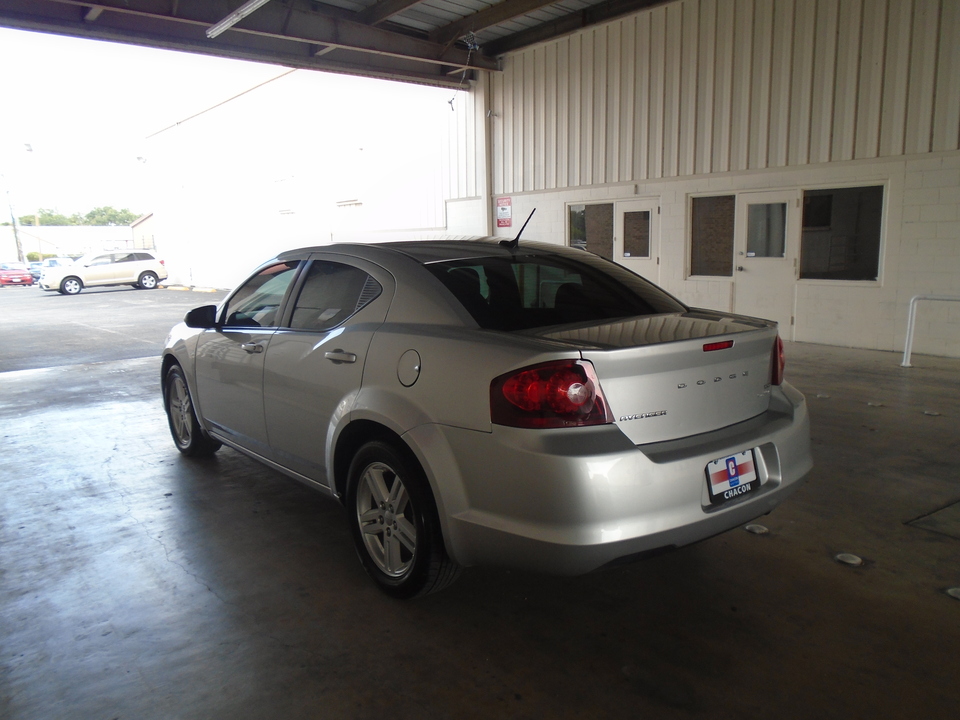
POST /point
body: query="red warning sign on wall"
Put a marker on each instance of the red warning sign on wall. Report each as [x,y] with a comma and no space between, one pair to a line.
[504,212]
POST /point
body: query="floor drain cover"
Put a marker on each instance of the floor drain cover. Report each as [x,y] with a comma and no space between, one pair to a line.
[756,529]
[848,559]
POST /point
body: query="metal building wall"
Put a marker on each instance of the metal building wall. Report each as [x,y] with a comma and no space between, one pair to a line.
[714,86]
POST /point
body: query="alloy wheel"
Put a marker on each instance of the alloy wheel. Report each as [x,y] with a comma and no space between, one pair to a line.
[385,516]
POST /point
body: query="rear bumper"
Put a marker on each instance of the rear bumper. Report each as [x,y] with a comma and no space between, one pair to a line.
[573,500]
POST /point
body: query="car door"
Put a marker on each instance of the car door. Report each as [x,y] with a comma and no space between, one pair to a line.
[127,267]
[229,358]
[101,270]
[314,364]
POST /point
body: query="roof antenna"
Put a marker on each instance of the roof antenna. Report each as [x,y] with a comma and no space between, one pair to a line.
[512,244]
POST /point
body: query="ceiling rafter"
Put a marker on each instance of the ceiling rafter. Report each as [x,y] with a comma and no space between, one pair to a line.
[384,10]
[493,15]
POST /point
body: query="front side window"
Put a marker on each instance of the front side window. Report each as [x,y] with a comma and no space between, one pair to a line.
[711,235]
[257,302]
[101,260]
[841,233]
[527,292]
[331,293]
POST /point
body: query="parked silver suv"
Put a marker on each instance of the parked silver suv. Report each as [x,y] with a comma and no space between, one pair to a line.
[120,267]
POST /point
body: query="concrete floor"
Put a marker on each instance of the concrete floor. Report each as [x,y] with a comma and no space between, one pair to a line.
[135,583]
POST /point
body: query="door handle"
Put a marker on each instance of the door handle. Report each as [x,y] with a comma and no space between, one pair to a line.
[252,347]
[339,356]
[739,268]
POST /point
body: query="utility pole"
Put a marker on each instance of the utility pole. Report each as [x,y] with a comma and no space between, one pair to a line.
[16,235]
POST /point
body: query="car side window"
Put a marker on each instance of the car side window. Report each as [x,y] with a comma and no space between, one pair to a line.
[257,302]
[331,293]
[101,260]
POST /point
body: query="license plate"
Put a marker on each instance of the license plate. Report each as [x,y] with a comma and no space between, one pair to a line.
[16,279]
[731,477]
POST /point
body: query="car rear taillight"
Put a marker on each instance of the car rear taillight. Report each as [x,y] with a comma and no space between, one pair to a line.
[565,393]
[777,362]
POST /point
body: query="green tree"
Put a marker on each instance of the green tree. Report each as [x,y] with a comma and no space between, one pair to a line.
[108,216]
[50,217]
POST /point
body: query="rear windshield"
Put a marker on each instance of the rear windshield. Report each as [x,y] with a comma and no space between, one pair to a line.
[526,292]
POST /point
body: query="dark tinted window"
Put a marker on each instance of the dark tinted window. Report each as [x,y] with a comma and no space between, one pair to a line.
[257,302]
[331,293]
[841,233]
[527,292]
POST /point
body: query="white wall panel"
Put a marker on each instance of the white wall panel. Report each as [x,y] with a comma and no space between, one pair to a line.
[706,86]
[801,82]
[641,125]
[742,85]
[870,88]
[762,47]
[824,70]
[946,117]
[893,114]
[723,81]
[687,123]
[923,59]
[847,72]
[714,86]
[658,24]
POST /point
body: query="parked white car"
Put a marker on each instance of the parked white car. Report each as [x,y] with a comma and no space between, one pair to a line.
[120,267]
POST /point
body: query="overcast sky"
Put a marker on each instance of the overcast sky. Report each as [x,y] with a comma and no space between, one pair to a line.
[85,108]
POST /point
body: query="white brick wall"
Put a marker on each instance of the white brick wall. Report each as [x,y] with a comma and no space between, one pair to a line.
[920,252]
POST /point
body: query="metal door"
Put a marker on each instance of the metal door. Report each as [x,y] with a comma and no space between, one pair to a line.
[637,237]
[767,247]
[230,384]
[315,363]
[102,269]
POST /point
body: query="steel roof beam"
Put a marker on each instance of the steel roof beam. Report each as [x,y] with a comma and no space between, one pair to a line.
[489,17]
[293,24]
[568,24]
[384,10]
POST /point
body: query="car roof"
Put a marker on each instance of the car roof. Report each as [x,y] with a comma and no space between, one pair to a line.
[431,251]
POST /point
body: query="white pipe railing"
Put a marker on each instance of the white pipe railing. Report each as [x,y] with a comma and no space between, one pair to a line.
[912,322]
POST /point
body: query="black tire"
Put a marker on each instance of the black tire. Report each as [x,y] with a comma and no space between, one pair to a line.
[188,436]
[148,281]
[71,285]
[394,523]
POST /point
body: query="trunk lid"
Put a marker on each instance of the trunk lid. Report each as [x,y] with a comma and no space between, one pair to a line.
[661,383]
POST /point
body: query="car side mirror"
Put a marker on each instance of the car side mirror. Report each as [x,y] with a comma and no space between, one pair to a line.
[204,317]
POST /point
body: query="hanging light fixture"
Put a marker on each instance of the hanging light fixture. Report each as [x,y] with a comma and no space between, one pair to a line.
[236,16]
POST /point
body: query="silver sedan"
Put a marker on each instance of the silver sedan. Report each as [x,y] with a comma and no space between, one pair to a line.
[481,402]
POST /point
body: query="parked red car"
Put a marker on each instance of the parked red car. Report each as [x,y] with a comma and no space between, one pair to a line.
[15,274]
